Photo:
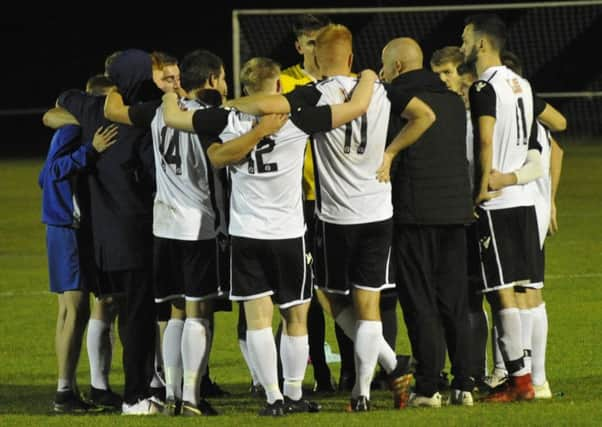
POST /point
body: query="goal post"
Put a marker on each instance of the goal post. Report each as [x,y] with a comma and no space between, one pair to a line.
[547,36]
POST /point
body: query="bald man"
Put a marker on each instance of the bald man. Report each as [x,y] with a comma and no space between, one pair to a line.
[431,206]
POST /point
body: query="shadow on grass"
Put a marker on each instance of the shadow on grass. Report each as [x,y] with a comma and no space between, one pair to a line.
[38,399]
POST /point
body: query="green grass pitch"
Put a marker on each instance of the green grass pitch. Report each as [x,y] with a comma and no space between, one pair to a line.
[573,294]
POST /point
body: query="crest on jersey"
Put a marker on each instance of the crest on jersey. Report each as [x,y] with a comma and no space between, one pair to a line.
[479,86]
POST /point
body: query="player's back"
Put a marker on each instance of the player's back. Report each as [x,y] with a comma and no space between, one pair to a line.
[266,199]
[184,206]
[349,156]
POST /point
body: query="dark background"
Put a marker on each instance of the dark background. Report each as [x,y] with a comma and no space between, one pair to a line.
[48,51]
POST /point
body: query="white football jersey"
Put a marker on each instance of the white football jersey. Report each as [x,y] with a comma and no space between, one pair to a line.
[266,195]
[514,118]
[347,158]
[542,187]
[188,190]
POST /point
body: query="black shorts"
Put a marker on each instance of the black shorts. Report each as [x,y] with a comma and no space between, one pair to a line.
[270,267]
[357,255]
[185,269]
[508,245]
[540,265]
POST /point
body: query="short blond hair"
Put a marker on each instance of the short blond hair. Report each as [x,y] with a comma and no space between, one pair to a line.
[256,71]
[334,44]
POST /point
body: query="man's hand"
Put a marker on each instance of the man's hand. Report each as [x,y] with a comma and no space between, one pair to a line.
[498,180]
[104,138]
[486,196]
[383,173]
[271,123]
[553,227]
[368,74]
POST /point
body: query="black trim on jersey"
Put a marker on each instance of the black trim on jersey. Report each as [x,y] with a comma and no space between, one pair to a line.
[538,105]
[142,115]
[209,123]
[303,96]
[482,99]
[399,98]
[533,140]
[313,119]
[312,143]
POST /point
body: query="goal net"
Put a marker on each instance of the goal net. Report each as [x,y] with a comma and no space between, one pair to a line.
[553,39]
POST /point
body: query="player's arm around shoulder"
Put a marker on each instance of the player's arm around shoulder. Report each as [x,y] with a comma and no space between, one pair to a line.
[359,102]
[259,104]
[174,116]
[235,150]
[115,109]
[58,117]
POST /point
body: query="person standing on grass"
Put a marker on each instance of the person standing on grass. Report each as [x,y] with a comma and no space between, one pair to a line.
[67,243]
[502,110]
[121,201]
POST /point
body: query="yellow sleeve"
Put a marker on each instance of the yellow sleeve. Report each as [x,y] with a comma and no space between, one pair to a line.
[309,183]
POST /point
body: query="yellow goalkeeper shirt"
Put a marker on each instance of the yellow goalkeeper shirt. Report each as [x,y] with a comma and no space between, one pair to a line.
[290,78]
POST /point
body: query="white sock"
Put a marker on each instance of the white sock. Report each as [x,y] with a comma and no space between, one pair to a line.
[510,340]
[194,349]
[526,321]
[294,352]
[499,368]
[262,351]
[539,342]
[245,354]
[98,342]
[63,385]
[172,358]
[386,355]
[367,333]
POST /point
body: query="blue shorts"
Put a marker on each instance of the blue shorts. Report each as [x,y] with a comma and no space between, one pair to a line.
[64,266]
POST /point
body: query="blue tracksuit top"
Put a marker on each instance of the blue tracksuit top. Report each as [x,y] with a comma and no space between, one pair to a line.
[66,156]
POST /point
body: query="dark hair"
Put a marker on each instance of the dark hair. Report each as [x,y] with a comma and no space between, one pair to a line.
[197,67]
[306,23]
[512,61]
[447,54]
[491,26]
[465,68]
[98,85]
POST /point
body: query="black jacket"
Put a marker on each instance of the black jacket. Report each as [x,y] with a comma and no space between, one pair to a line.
[430,178]
[121,182]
